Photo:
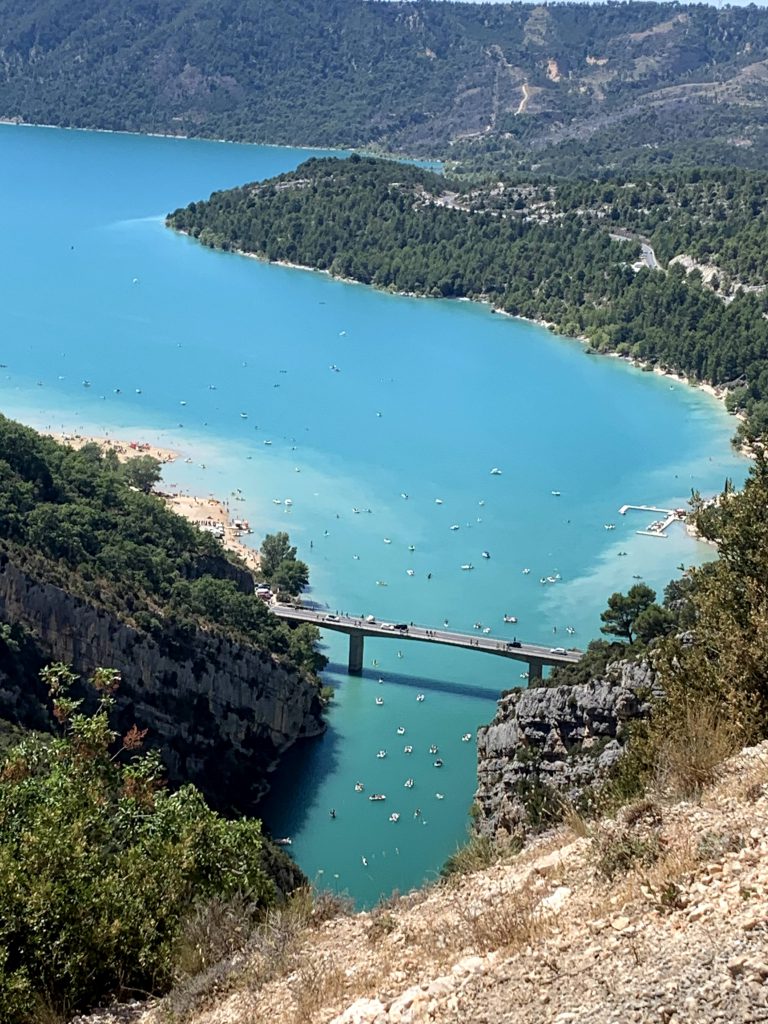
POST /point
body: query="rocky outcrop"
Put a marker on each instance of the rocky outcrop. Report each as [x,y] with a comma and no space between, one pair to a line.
[548,743]
[220,711]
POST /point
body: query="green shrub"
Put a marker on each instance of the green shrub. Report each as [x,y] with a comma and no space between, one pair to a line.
[99,863]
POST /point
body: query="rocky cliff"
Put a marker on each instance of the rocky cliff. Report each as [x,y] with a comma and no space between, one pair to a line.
[220,711]
[549,743]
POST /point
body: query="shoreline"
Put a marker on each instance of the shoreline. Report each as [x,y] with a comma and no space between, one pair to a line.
[210,514]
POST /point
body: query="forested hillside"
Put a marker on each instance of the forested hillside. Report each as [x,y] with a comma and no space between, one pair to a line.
[537,250]
[566,86]
[76,520]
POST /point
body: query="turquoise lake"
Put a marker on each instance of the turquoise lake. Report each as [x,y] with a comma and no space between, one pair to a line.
[428,397]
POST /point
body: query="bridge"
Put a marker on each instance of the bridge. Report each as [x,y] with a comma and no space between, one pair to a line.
[357,629]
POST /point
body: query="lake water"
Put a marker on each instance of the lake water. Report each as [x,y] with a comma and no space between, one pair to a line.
[231,361]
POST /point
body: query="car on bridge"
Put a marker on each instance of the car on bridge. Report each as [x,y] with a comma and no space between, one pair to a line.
[402,626]
[331,618]
[514,643]
[557,650]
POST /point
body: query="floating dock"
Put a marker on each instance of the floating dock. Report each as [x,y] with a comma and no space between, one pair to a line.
[660,526]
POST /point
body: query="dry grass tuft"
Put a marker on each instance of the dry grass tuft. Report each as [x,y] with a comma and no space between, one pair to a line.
[315,986]
[689,756]
[513,921]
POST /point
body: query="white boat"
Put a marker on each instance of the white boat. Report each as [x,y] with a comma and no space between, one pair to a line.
[394,816]
[467,566]
[381,754]
[359,787]
[285,841]
[526,572]
[466,737]
[404,495]
[455,526]
[387,540]
[510,618]
[437,763]
[410,572]
[408,749]
[408,783]
[486,554]
[243,415]
[377,797]
[555,494]
[411,547]
[365,862]
[288,501]
[609,526]
[419,697]
[433,748]
[276,501]
[495,471]
[401,730]
[381,583]
[379,701]
[440,796]
[438,501]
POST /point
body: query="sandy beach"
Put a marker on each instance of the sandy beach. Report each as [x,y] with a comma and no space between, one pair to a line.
[124,450]
[207,513]
[212,515]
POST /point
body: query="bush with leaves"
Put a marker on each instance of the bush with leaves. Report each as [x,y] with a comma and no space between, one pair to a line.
[100,864]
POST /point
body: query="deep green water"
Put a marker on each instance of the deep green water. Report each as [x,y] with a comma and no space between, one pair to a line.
[429,396]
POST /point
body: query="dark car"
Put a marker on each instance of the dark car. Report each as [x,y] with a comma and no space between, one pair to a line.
[402,626]
[514,643]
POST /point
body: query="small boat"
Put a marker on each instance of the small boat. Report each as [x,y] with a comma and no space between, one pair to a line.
[381,754]
[408,749]
[276,501]
[438,763]
[526,572]
[609,526]
[377,796]
[356,511]
[438,501]
[86,383]
[433,749]
[408,783]
[381,583]
[138,391]
[410,572]
[387,540]
[486,554]
[285,841]
[401,730]
[117,390]
[404,495]
[379,701]
[510,618]
[243,415]
[552,579]
[419,697]
[394,816]
[288,502]
[411,547]
[467,566]
[440,796]
[466,737]
[486,629]
[495,471]
[555,494]
[455,526]
[365,862]
[267,442]
[359,787]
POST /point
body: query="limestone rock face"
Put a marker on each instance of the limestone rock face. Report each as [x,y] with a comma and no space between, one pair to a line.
[220,711]
[554,740]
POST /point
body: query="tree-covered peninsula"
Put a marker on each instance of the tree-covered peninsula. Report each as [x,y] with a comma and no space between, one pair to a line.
[567,253]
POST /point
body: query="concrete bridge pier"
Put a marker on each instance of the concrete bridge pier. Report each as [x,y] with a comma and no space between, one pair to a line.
[535,669]
[356,641]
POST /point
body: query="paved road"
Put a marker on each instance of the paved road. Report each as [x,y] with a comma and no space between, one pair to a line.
[476,642]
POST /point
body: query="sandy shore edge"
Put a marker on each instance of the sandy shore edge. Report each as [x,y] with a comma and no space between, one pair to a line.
[208,514]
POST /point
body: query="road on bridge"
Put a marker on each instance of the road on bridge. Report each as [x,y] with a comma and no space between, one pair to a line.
[536,655]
